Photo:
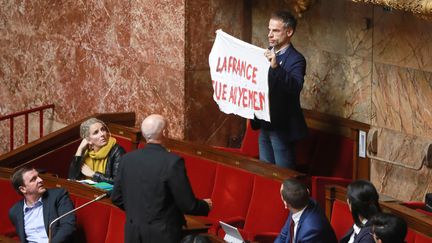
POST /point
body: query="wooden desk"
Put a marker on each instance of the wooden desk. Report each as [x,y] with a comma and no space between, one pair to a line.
[5,239]
[196,225]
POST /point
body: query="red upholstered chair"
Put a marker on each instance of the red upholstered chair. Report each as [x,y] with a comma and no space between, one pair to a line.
[9,198]
[201,174]
[126,143]
[305,151]
[341,219]
[116,224]
[333,156]
[266,214]
[410,237]
[231,194]
[318,184]
[424,212]
[414,204]
[57,161]
[249,146]
[92,221]
[420,238]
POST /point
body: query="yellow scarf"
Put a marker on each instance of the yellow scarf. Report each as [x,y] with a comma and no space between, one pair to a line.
[97,160]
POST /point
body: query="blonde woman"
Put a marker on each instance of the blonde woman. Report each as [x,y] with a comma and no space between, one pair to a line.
[98,155]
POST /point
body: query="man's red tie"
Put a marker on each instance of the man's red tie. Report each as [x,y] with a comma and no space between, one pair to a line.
[292,231]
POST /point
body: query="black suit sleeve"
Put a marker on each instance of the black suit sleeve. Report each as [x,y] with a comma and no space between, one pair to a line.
[75,168]
[116,195]
[181,190]
[63,230]
[14,218]
[290,76]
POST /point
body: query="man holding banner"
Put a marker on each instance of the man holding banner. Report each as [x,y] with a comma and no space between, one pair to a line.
[278,138]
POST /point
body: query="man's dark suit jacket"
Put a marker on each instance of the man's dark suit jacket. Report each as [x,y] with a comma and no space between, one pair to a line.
[285,84]
[363,236]
[313,227]
[154,190]
[55,202]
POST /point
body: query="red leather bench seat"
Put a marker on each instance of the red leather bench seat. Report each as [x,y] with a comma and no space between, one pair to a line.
[201,173]
[92,220]
[231,193]
[266,214]
[341,219]
[9,198]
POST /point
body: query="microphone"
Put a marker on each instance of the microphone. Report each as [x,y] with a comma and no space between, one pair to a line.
[72,211]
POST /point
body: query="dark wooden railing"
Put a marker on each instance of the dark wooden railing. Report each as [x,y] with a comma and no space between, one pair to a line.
[25,113]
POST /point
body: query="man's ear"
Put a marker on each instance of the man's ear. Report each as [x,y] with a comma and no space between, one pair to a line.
[22,189]
[289,32]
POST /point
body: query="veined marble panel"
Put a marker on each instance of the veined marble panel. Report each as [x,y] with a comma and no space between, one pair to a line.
[401,99]
[401,183]
[94,56]
[204,18]
[335,26]
[337,85]
[205,122]
[402,39]
[399,148]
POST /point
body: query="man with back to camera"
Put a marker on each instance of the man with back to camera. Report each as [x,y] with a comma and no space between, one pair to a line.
[277,139]
[306,223]
[154,190]
[32,215]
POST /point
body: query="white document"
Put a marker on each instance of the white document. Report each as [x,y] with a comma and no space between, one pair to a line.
[239,73]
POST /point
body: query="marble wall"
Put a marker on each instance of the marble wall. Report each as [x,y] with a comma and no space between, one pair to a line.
[204,122]
[372,66]
[89,57]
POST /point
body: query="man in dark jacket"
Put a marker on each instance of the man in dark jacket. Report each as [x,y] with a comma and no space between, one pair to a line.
[278,138]
[32,215]
[306,222]
[153,188]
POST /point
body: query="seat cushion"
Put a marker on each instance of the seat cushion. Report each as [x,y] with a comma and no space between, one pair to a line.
[231,194]
[92,221]
[341,219]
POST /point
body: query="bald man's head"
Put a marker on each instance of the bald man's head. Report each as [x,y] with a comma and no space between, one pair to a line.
[152,128]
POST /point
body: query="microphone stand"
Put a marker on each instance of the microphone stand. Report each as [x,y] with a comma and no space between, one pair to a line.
[72,211]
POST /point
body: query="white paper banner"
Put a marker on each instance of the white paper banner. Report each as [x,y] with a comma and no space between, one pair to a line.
[239,77]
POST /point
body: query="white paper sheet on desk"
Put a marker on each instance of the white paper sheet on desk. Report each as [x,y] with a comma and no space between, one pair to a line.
[88,181]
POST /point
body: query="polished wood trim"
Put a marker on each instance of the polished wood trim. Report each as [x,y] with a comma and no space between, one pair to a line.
[334,120]
[233,159]
[416,221]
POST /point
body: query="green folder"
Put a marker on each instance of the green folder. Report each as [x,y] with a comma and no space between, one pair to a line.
[104,186]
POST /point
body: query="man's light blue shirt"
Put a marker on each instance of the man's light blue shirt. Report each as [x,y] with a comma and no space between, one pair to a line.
[34,226]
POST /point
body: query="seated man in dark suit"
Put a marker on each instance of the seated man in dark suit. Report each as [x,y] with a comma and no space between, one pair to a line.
[32,215]
[306,221]
[154,190]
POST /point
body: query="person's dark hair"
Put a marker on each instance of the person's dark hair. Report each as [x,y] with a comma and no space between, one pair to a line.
[195,239]
[295,193]
[389,228]
[17,178]
[286,17]
[363,198]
